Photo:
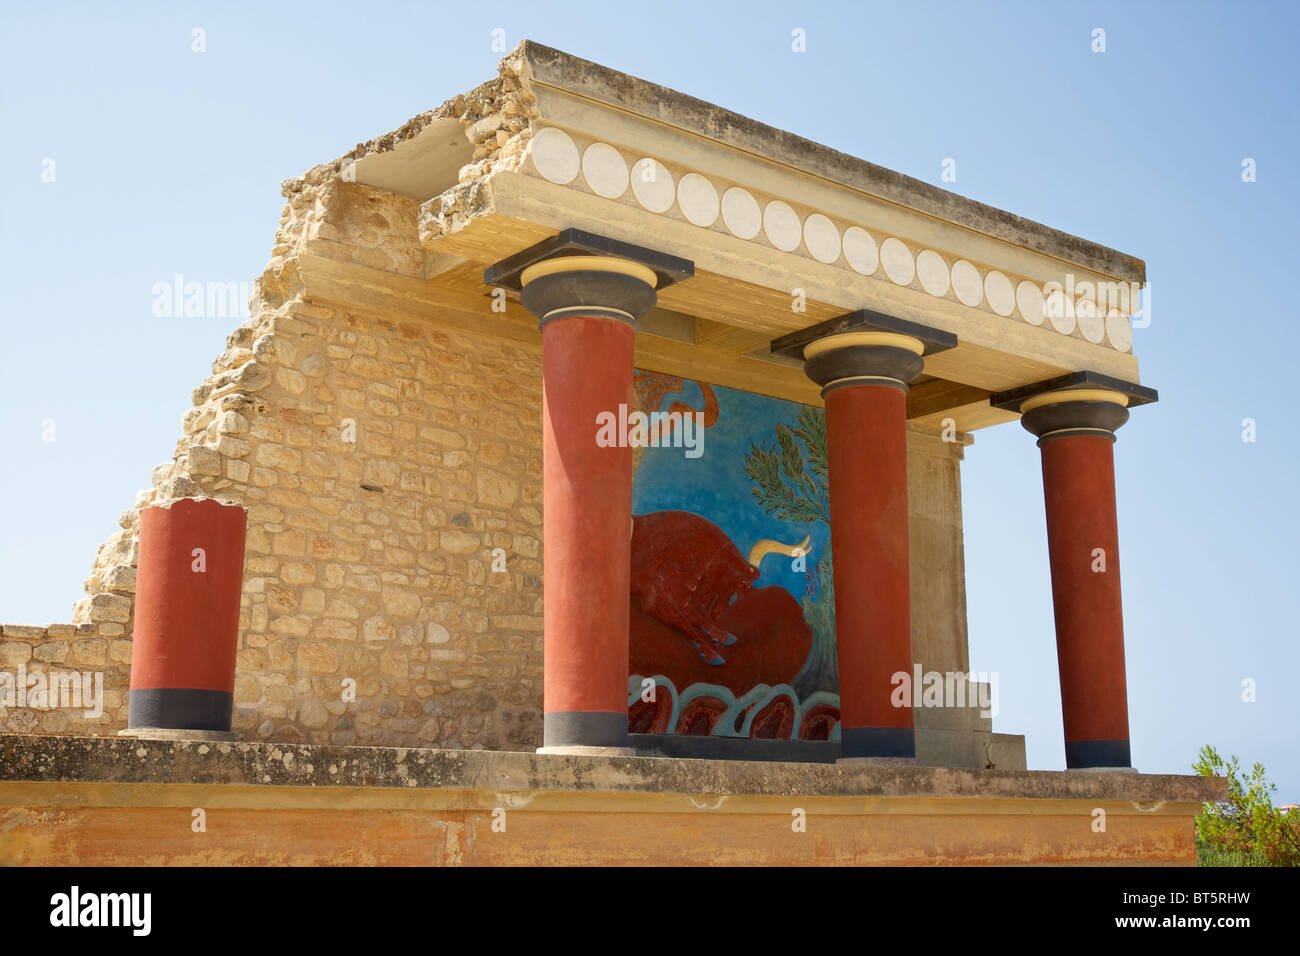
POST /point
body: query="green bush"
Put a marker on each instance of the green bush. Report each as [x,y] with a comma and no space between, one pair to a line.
[1246,829]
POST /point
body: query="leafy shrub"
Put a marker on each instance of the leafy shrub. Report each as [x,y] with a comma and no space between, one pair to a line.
[1246,829]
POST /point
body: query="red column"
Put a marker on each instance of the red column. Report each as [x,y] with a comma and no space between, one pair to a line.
[1083,542]
[1076,434]
[864,362]
[186,630]
[867,456]
[588,304]
[586,371]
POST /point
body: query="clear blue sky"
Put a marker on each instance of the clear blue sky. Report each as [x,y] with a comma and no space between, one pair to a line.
[169,161]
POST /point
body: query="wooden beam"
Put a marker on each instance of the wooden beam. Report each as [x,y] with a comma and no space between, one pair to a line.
[939,395]
[430,301]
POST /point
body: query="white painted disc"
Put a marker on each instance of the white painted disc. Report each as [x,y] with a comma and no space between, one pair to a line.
[781,226]
[740,213]
[1030,300]
[821,238]
[897,260]
[966,283]
[999,293]
[555,156]
[860,250]
[1119,331]
[933,272]
[697,199]
[605,171]
[1060,313]
[653,185]
[1091,321]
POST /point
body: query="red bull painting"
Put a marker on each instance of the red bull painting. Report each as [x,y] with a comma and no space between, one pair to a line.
[733,629]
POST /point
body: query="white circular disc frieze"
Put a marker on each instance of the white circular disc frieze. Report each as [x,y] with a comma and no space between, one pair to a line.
[697,199]
[605,171]
[1029,299]
[897,260]
[652,185]
[821,238]
[999,293]
[966,283]
[781,225]
[860,250]
[555,155]
[933,272]
[740,213]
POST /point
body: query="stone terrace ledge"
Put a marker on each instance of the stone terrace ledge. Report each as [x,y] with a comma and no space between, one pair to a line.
[67,800]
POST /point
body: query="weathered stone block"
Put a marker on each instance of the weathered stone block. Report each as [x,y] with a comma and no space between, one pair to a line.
[13,653]
[232,423]
[318,658]
[92,651]
[379,629]
[400,603]
[109,607]
[277,456]
[233,447]
[459,542]
[119,578]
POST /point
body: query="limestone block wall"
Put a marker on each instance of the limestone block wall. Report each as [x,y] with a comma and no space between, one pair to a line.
[386,466]
[381,465]
[371,558]
[83,649]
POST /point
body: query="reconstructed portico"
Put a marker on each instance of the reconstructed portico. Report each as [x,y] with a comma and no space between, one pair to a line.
[816,278]
[436,522]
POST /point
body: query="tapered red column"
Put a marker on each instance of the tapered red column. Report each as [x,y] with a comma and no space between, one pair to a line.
[588,305]
[186,629]
[1075,424]
[867,451]
[1083,541]
[586,370]
[865,373]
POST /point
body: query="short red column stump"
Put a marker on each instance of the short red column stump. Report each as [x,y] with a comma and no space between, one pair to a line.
[188,584]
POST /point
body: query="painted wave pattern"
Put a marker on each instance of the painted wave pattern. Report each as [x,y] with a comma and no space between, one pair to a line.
[702,709]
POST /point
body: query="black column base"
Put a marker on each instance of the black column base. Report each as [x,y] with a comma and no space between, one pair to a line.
[180,708]
[893,742]
[1082,754]
[576,728]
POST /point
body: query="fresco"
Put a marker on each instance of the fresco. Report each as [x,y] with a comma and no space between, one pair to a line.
[732,596]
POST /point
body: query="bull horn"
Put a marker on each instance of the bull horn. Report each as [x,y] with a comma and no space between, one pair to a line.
[767,546]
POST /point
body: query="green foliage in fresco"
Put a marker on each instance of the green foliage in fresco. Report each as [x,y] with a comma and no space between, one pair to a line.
[790,482]
[786,486]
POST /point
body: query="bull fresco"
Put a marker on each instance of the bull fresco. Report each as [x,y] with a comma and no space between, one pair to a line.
[732,597]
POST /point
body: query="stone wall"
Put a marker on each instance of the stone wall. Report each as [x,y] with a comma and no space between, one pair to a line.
[383,464]
[62,649]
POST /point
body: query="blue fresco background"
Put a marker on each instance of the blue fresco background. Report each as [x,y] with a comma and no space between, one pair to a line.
[715,486]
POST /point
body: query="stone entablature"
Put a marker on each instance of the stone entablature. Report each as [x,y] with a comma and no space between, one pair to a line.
[765,214]
[665,187]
